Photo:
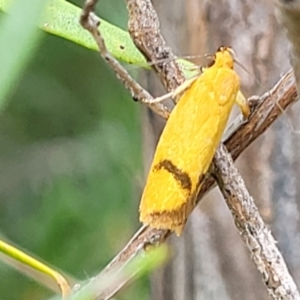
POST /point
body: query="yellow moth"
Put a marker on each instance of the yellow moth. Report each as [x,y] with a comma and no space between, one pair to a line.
[188,143]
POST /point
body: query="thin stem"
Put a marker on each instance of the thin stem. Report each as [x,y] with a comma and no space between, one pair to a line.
[29,261]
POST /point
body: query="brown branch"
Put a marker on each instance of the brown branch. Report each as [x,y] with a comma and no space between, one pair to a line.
[256,236]
[265,112]
[143,26]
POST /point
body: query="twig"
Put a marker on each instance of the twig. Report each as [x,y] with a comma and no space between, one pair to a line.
[144,238]
[91,22]
[143,26]
[264,114]
[255,234]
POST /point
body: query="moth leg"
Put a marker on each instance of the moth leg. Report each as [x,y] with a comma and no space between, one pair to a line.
[159,99]
[176,93]
[91,22]
[243,104]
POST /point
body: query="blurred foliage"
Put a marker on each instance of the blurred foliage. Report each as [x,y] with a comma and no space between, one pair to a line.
[70,156]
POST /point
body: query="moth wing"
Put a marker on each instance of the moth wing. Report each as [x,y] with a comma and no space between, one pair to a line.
[185,150]
[178,162]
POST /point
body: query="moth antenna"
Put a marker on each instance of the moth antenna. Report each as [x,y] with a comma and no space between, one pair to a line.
[153,63]
[192,56]
[245,70]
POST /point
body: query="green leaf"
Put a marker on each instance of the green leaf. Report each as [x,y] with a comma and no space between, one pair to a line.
[62,19]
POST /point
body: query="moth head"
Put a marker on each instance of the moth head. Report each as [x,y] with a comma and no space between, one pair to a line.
[225,57]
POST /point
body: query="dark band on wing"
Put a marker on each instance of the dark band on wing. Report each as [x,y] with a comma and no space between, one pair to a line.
[181,177]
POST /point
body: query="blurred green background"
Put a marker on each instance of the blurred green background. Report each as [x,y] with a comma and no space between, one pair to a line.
[71,167]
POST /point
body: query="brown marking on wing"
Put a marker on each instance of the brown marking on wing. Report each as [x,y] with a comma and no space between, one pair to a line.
[180,176]
[175,219]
